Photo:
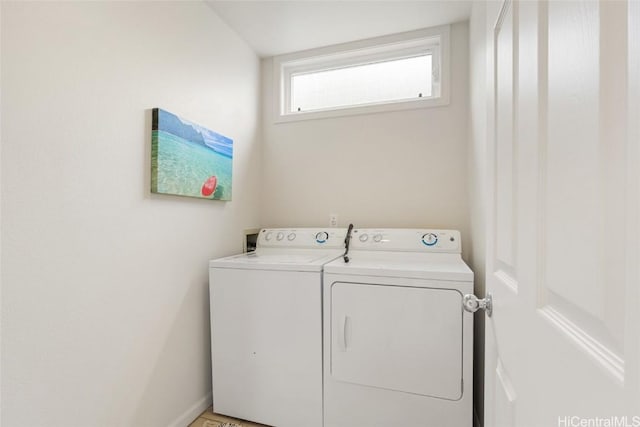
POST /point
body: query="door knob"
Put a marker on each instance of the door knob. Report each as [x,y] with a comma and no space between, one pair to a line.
[472,303]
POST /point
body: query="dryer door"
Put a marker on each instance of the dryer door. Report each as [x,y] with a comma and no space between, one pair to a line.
[399,338]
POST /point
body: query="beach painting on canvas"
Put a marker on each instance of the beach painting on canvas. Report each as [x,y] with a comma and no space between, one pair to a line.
[188,159]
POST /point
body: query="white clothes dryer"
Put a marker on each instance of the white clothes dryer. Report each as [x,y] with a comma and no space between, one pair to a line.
[266,327]
[398,346]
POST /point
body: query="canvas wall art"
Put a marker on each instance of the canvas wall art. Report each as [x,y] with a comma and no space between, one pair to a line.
[188,159]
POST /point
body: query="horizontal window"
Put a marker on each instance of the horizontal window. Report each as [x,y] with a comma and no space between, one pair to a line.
[393,80]
[396,72]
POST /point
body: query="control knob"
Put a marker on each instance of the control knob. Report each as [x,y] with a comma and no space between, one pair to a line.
[322,237]
[429,239]
[280,236]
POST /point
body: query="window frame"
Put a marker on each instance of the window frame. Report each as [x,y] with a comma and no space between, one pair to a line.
[431,40]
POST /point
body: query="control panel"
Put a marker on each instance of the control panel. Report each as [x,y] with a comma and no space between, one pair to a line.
[414,240]
[332,238]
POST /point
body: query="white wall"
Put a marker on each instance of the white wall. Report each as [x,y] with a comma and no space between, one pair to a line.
[104,286]
[395,169]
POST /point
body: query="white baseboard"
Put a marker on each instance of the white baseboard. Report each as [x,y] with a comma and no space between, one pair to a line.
[192,413]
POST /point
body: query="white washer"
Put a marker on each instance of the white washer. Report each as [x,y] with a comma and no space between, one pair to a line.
[398,346]
[266,327]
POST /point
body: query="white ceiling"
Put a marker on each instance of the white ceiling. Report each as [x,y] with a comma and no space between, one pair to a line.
[277,27]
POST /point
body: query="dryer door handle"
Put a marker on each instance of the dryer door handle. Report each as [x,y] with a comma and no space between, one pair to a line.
[343,332]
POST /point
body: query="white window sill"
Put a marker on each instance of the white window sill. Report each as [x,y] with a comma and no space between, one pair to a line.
[365,109]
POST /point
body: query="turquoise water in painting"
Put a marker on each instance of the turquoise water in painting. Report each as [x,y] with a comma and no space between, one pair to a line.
[181,167]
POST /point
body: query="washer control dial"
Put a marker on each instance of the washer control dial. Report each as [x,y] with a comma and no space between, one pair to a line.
[322,237]
[291,236]
[430,239]
[377,238]
[268,236]
[364,237]
[280,236]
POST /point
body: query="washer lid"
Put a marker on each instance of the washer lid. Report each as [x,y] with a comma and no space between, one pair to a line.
[278,259]
[436,266]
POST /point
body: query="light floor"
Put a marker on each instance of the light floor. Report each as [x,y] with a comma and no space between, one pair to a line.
[209,419]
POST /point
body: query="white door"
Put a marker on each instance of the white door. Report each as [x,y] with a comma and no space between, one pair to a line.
[563,265]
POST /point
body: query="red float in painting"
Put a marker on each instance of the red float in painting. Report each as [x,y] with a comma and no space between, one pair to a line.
[209,186]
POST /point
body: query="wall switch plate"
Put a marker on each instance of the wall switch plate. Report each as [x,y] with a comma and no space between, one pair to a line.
[333,220]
